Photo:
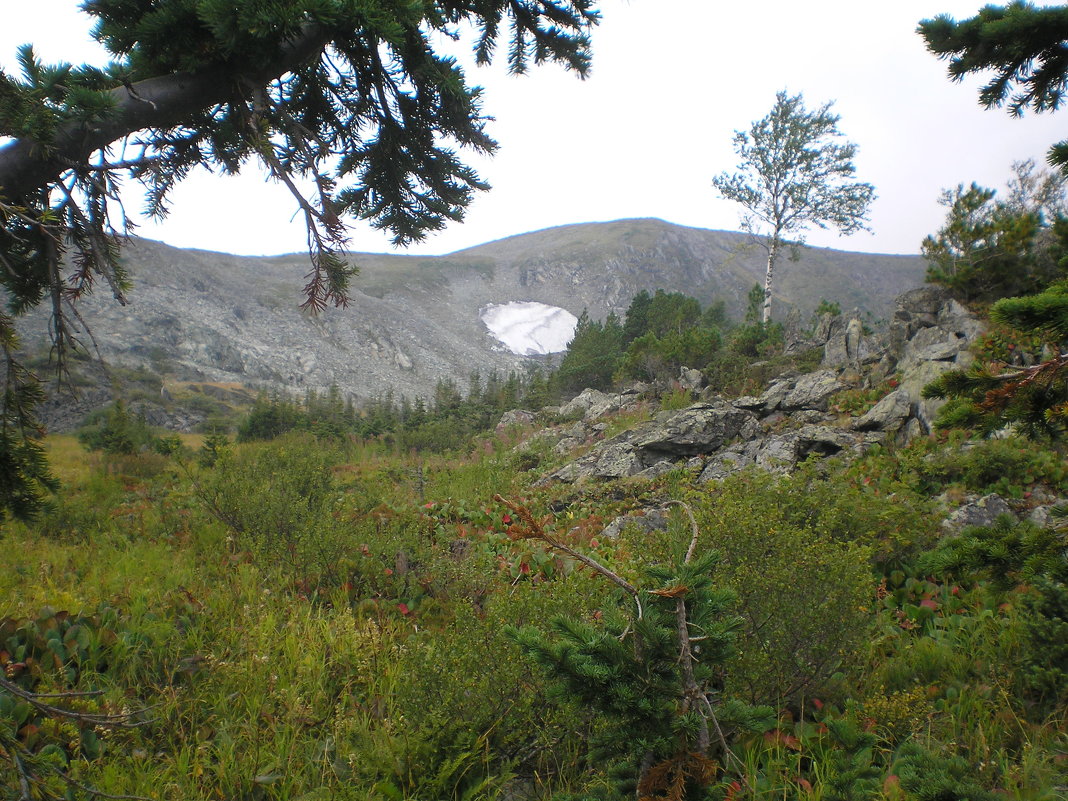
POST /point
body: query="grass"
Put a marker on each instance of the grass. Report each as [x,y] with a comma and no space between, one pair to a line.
[393,680]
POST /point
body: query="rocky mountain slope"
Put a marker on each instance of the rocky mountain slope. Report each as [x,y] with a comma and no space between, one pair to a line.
[793,419]
[195,315]
[797,417]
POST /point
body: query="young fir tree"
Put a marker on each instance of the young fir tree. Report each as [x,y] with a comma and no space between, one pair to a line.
[1034,399]
[653,670]
[1021,44]
[990,248]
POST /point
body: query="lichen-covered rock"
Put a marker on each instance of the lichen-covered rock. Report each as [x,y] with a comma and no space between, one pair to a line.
[514,418]
[812,390]
[588,404]
[982,512]
[702,428]
[648,520]
[691,379]
[889,414]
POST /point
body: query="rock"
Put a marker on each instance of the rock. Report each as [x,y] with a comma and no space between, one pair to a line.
[811,391]
[1041,516]
[982,512]
[515,417]
[783,452]
[847,345]
[776,393]
[691,379]
[749,403]
[611,459]
[728,461]
[889,414]
[592,403]
[646,520]
[658,469]
[702,428]
[932,345]
[580,405]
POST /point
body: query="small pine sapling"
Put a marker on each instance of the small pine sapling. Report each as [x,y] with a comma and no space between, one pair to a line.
[654,670]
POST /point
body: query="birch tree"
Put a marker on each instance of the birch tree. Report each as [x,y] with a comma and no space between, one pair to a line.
[795,171]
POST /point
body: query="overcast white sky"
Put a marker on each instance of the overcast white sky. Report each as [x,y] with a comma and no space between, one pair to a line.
[645,134]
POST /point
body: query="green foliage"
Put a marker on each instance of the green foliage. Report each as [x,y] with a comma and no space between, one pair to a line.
[1034,399]
[1009,466]
[794,173]
[1020,43]
[25,479]
[592,355]
[116,431]
[928,776]
[990,249]
[656,690]
[857,402]
[1012,553]
[281,505]
[833,308]
[268,418]
[214,448]
[802,587]
[386,674]
[327,77]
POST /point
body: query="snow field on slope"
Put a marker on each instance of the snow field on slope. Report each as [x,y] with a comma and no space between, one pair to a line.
[528,328]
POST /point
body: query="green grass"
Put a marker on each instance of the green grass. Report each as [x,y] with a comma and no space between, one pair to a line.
[392,680]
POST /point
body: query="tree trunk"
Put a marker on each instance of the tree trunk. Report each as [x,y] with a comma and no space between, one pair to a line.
[773,253]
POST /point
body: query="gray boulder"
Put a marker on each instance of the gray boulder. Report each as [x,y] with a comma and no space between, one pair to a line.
[811,391]
[588,404]
[646,520]
[981,512]
[691,379]
[514,418]
[890,414]
[702,428]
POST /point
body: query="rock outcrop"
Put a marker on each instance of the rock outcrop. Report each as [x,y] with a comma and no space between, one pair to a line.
[794,419]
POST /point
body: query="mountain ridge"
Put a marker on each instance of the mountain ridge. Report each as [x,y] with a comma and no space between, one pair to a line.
[414,320]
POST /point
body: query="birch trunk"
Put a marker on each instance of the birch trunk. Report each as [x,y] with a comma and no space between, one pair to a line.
[773,253]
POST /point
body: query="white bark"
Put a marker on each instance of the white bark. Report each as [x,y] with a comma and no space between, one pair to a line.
[773,253]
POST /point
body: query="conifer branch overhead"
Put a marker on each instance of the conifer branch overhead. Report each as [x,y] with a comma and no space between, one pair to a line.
[1021,47]
[351,97]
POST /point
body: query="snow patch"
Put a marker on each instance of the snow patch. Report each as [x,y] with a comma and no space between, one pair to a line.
[528,328]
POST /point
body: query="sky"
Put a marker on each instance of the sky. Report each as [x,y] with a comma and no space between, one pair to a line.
[644,135]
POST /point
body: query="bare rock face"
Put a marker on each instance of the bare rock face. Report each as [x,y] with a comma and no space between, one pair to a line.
[791,422]
[930,333]
[414,321]
[702,428]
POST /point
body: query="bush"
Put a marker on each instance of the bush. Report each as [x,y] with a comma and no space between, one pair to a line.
[115,430]
[280,503]
[802,593]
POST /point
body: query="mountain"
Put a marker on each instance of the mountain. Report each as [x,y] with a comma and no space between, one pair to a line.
[413,320]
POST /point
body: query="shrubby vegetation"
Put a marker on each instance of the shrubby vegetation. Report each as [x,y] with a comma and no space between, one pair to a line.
[323,615]
[663,332]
